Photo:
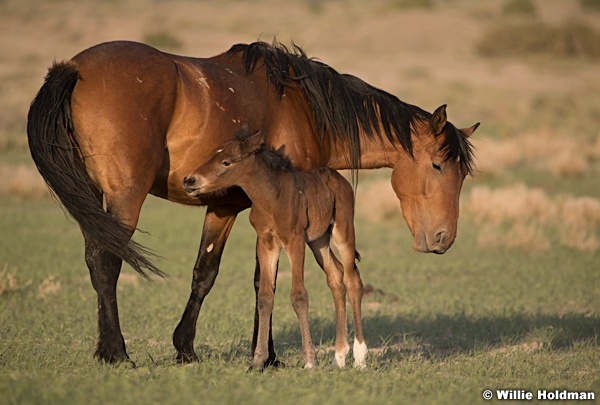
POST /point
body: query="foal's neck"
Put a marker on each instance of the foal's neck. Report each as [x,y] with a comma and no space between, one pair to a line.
[264,184]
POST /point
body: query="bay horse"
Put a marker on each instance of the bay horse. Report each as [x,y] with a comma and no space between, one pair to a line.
[289,210]
[121,120]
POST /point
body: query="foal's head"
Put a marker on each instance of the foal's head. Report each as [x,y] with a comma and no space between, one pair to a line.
[227,165]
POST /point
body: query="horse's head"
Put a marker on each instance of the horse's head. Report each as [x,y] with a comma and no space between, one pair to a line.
[222,169]
[428,185]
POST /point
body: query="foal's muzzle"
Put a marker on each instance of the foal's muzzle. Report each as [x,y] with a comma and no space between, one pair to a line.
[190,185]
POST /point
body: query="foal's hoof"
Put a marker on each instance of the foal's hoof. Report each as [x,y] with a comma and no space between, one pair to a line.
[276,364]
[260,366]
[253,369]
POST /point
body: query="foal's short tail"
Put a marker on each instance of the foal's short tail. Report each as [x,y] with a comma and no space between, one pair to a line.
[56,154]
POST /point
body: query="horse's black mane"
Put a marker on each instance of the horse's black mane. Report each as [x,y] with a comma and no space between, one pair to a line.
[343,104]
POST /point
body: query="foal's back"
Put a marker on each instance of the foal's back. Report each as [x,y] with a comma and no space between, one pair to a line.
[305,202]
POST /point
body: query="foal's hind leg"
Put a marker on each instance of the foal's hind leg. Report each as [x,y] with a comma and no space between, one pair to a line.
[332,269]
[344,240]
[299,298]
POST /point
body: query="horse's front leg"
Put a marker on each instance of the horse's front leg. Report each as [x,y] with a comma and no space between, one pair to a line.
[217,225]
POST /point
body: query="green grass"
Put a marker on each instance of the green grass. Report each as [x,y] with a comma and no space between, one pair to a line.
[441,329]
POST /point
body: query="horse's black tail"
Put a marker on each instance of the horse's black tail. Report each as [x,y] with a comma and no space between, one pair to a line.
[56,154]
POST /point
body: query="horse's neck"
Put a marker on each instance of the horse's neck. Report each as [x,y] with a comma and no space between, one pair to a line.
[375,153]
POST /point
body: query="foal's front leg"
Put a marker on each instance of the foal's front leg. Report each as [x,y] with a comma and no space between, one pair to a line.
[268,256]
[299,298]
[272,359]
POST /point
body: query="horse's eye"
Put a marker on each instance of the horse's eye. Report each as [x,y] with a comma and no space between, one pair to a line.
[226,163]
[436,166]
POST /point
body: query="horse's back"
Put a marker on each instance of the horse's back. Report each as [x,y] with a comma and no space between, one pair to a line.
[121,109]
[124,83]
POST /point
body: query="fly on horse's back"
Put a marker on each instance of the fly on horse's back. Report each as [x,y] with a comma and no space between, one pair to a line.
[122,119]
[291,209]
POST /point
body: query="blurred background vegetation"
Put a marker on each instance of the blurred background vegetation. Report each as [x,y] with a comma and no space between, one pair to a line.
[526,69]
[514,303]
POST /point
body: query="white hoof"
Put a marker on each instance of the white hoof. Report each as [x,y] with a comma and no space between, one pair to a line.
[339,359]
[359,350]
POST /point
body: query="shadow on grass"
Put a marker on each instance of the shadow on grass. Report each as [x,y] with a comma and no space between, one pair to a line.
[441,336]
[397,338]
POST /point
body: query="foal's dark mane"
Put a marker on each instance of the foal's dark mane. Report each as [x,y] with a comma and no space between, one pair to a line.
[343,104]
[274,160]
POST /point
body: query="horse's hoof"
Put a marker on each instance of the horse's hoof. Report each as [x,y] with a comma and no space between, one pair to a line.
[115,358]
[187,358]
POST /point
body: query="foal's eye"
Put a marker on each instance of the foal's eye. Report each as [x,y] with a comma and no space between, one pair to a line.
[226,163]
[436,166]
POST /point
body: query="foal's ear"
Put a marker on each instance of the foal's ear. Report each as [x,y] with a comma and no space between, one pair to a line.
[254,141]
[438,119]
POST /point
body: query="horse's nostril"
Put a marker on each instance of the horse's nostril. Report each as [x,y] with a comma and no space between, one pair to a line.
[440,237]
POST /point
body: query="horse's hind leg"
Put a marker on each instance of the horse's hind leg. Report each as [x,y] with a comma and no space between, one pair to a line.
[104,270]
[333,272]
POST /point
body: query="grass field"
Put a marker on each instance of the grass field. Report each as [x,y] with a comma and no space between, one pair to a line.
[514,304]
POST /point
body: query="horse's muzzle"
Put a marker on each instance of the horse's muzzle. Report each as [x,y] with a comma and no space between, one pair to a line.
[437,243]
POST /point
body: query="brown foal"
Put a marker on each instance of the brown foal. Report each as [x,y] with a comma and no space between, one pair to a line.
[291,208]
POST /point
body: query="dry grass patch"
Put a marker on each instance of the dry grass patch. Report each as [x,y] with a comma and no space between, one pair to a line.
[522,217]
[543,150]
[22,180]
[8,281]
[377,202]
[535,38]
[50,285]
[514,217]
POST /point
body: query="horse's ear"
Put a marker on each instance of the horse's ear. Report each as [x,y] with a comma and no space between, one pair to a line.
[438,120]
[254,141]
[469,131]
